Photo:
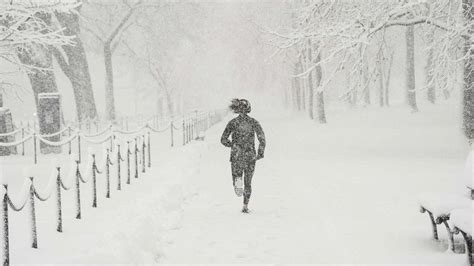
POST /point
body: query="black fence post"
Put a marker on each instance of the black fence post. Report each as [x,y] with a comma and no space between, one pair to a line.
[95,171]
[78,192]
[6,239]
[128,162]
[143,154]
[136,158]
[172,133]
[184,133]
[107,173]
[187,131]
[59,214]
[34,234]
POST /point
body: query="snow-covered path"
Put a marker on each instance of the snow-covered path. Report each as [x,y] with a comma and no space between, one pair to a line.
[321,196]
[346,192]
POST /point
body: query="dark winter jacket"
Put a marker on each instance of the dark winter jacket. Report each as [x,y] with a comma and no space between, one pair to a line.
[243,129]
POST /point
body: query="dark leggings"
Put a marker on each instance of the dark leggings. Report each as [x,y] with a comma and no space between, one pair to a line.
[245,168]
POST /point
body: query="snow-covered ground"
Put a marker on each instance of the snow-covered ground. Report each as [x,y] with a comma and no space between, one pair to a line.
[345,192]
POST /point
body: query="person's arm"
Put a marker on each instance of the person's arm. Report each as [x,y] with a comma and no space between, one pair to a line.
[225,136]
[261,140]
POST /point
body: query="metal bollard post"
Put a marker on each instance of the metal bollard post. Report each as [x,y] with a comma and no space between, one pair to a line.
[78,192]
[94,182]
[188,131]
[136,158]
[128,162]
[34,234]
[184,134]
[172,133]
[6,239]
[107,173]
[143,154]
[59,214]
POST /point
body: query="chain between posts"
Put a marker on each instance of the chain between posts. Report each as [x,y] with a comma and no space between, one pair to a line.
[191,128]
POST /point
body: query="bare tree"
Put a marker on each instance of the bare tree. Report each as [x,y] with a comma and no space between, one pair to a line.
[26,34]
[410,86]
[343,29]
[430,86]
[468,92]
[109,33]
[73,62]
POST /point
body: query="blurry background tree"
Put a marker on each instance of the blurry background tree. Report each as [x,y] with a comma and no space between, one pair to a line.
[348,31]
[27,35]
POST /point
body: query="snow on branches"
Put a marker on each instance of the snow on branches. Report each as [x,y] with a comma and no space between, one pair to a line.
[23,25]
[344,30]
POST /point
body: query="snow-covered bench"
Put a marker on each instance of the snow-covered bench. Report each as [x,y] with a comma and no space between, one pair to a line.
[439,209]
[461,220]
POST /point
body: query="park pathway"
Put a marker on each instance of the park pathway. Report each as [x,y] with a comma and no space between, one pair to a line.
[320,195]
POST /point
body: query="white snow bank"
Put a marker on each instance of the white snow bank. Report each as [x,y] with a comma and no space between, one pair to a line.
[462,219]
[441,205]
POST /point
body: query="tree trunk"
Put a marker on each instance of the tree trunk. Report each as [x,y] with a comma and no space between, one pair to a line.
[42,81]
[304,89]
[311,96]
[76,68]
[468,95]
[411,93]
[40,58]
[298,85]
[109,83]
[430,89]
[380,79]
[365,76]
[303,82]
[320,94]
[387,81]
[310,82]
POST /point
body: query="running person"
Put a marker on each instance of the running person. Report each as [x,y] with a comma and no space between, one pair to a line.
[243,156]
